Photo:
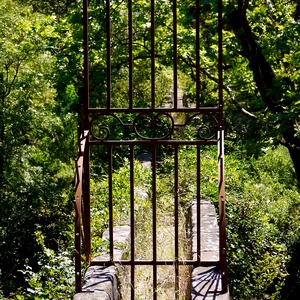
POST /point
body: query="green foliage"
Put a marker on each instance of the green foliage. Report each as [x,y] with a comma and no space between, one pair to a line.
[41,86]
[35,170]
[54,280]
[262,204]
[262,223]
[121,200]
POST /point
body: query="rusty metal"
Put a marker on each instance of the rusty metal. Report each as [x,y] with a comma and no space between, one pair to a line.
[153,127]
[222,215]
[175,55]
[198,54]
[132,224]
[198,204]
[108,55]
[176,221]
[154,221]
[152,54]
[78,207]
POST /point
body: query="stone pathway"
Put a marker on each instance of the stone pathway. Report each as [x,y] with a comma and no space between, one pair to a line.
[206,281]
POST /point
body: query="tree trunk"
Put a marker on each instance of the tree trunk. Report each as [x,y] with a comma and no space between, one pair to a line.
[264,77]
[293,145]
[295,156]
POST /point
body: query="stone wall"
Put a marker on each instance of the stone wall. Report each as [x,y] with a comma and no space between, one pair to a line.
[100,282]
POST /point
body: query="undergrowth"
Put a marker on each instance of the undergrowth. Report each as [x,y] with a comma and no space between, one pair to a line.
[263,234]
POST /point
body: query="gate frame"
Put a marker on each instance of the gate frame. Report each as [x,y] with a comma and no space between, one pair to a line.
[82,183]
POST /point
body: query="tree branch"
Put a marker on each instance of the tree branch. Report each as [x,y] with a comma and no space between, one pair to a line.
[262,72]
[225,87]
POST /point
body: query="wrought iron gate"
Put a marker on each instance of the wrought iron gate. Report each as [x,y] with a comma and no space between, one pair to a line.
[153,127]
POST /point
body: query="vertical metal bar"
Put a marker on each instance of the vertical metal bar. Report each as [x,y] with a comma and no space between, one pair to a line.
[130,54]
[223,262]
[154,229]
[110,204]
[86,159]
[79,215]
[132,221]
[222,217]
[86,200]
[198,205]
[220,60]
[86,66]
[108,55]
[152,54]
[197,53]
[78,276]
[175,86]
[176,223]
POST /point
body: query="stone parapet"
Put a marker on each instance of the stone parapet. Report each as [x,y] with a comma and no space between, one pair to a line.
[206,281]
[101,282]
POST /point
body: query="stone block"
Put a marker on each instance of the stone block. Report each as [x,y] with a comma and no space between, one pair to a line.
[206,284]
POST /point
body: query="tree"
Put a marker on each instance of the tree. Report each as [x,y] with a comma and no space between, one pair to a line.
[60,7]
[261,72]
[35,176]
[268,36]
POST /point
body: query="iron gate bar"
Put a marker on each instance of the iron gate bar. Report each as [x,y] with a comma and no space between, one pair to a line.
[130,56]
[152,54]
[82,141]
[155,263]
[132,223]
[222,216]
[110,203]
[149,142]
[154,220]
[108,55]
[85,127]
[198,205]
[197,54]
[176,223]
[175,72]
[86,100]
[204,110]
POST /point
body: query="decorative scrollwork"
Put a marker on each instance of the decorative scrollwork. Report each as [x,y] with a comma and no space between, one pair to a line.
[206,126]
[150,126]
[101,123]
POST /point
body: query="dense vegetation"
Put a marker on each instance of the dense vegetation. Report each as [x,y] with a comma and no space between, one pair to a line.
[41,85]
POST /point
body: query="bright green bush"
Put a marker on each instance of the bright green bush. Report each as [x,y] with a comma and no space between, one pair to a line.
[262,204]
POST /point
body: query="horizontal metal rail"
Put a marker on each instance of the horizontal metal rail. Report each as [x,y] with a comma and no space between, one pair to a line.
[154,262]
[158,109]
[148,143]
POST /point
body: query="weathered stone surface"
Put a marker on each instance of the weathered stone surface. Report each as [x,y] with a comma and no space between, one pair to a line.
[206,284]
[99,283]
[141,193]
[118,255]
[145,159]
[209,236]
[206,281]
[121,234]
[98,295]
